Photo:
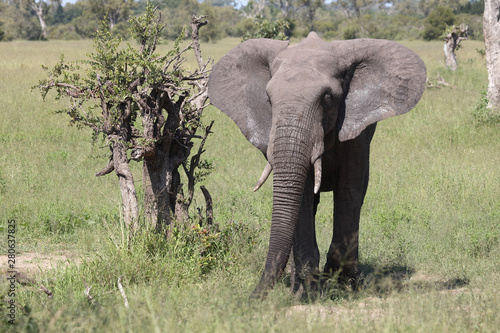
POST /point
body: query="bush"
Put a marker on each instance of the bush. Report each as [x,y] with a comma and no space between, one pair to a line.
[484,115]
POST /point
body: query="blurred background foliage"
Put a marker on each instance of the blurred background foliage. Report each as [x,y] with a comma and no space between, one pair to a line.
[332,19]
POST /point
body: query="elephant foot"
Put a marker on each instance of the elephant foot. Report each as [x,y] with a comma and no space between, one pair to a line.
[306,287]
[305,279]
[345,275]
[260,292]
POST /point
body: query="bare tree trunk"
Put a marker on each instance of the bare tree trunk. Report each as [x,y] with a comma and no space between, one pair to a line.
[491,29]
[127,187]
[451,42]
[37,8]
[161,184]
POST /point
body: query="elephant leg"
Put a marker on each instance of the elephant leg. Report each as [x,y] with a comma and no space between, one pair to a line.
[305,253]
[349,192]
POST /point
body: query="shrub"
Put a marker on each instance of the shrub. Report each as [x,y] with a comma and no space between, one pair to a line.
[483,114]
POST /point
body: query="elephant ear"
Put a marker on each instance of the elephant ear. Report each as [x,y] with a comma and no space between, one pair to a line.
[384,79]
[237,86]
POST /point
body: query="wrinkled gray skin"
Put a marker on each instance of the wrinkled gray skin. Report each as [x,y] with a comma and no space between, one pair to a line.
[312,109]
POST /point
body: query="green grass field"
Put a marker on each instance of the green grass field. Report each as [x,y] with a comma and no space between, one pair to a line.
[430,226]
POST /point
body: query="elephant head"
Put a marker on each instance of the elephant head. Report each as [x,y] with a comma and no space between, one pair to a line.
[295,102]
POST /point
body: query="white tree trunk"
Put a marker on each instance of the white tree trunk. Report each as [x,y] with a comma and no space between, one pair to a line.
[37,8]
[491,29]
[451,42]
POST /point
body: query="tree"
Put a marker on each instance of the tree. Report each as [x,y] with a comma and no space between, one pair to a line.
[147,107]
[437,22]
[491,29]
[253,8]
[452,39]
[352,8]
[118,10]
[311,6]
[39,8]
[177,17]
[286,7]
[264,28]
[223,3]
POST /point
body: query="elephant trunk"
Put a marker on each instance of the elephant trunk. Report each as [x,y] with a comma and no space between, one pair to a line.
[290,154]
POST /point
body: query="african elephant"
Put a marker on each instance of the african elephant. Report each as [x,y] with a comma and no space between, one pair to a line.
[311,109]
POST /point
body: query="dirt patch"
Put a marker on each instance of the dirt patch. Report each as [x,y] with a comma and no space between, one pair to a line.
[34,263]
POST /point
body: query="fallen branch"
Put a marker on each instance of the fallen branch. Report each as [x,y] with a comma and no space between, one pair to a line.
[439,81]
[47,291]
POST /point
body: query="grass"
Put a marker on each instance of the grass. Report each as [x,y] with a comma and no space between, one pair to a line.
[430,229]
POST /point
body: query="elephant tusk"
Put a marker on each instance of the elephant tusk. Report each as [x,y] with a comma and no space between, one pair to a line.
[263,177]
[317,175]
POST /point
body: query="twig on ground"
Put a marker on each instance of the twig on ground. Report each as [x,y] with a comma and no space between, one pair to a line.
[47,291]
[439,81]
[86,292]
[122,291]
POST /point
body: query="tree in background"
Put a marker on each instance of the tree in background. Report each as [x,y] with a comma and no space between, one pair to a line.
[402,19]
[264,28]
[491,27]
[287,8]
[18,21]
[93,11]
[147,107]
[438,20]
[426,6]
[253,8]
[176,15]
[117,10]
[311,7]
[40,8]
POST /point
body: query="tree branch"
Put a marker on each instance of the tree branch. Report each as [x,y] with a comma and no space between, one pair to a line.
[195,162]
[108,169]
[209,209]
[196,24]
[45,290]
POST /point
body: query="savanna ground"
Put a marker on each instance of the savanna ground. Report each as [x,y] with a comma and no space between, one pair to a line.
[430,226]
